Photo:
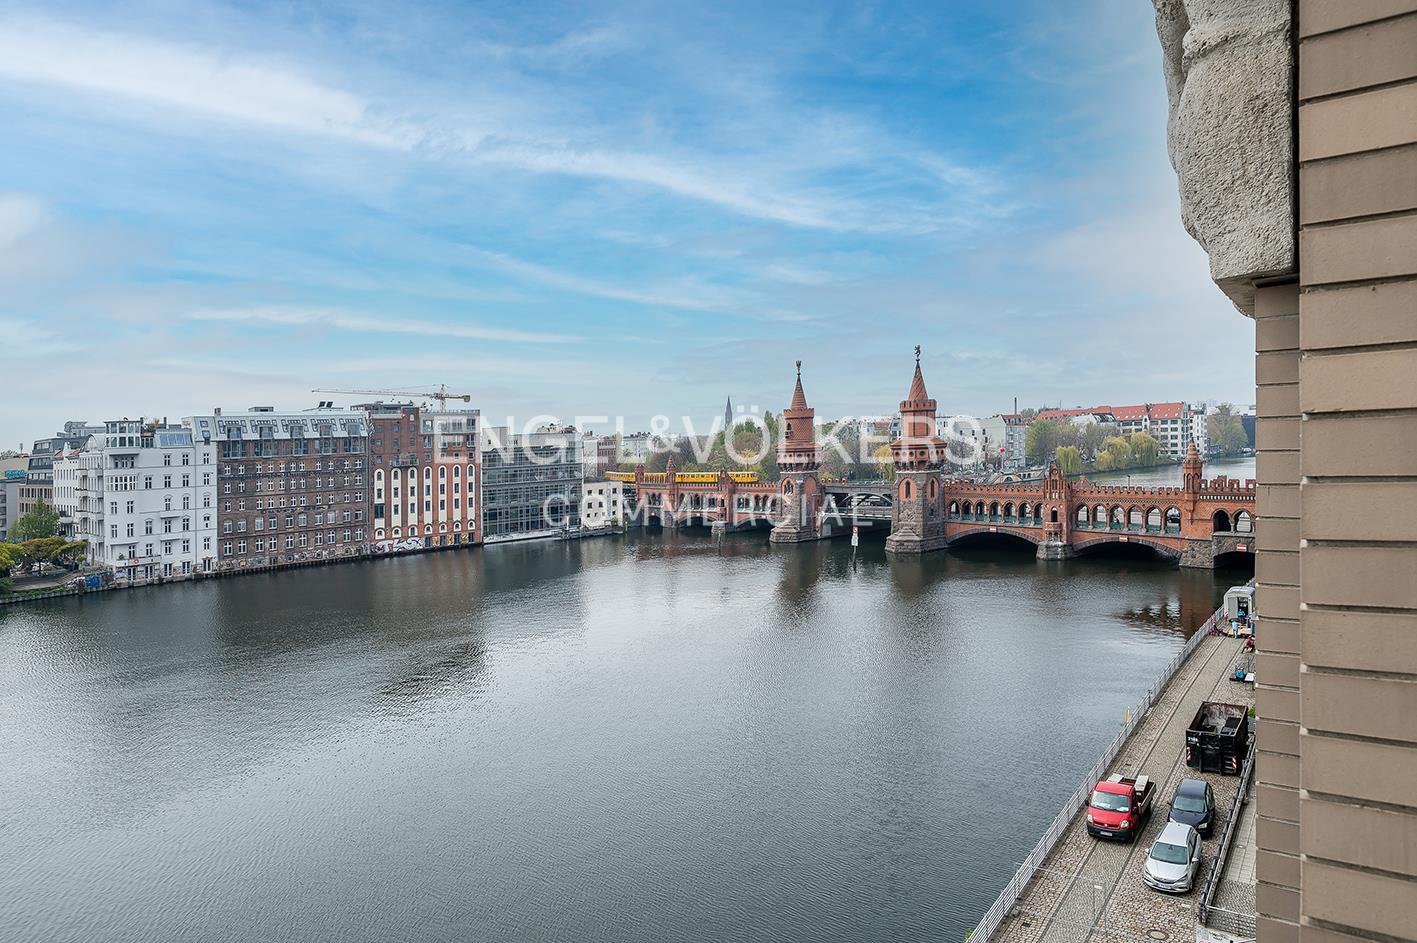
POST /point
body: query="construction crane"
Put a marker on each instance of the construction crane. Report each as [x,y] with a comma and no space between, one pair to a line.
[442,396]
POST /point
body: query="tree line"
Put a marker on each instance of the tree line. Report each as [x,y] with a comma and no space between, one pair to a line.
[34,538]
[1098,444]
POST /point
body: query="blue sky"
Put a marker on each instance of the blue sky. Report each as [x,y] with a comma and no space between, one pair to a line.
[594,208]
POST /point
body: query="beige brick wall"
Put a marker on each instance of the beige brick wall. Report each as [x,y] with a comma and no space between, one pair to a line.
[1277,574]
[1356,832]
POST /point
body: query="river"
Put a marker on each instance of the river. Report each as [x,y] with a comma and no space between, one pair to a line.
[1241,468]
[660,737]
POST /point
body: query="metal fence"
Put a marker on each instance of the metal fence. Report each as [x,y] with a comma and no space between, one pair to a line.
[1014,889]
[1218,917]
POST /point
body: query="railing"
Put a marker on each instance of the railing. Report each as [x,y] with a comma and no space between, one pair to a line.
[1035,858]
[1228,920]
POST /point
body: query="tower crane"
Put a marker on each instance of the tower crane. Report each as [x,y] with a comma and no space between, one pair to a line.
[442,395]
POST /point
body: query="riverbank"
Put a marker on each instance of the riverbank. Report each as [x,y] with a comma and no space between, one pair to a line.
[1074,887]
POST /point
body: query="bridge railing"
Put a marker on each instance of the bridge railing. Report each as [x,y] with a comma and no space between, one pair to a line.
[1012,891]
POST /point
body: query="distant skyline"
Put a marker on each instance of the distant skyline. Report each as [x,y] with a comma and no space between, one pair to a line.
[625,210]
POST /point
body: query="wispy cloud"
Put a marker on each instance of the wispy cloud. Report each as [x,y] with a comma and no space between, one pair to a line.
[228,85]
[332,318]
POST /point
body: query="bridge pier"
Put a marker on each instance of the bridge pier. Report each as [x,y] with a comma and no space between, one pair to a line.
[1055,550]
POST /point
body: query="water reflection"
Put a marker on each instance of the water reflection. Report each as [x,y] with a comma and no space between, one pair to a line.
[662,737]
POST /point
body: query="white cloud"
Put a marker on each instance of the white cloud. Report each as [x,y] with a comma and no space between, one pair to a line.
[185,77]
[20,215]
[233,86]
[293,316]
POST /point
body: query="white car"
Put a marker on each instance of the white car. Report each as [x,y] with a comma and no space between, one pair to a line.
[1174,859]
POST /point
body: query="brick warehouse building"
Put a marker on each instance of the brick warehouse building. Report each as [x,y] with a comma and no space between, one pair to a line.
[425,489]
[291,487]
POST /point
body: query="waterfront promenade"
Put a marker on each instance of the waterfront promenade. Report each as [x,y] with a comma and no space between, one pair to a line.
[1090,890]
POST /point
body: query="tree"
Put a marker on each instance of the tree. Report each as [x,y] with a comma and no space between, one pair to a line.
[1226,432]
[885,463]
[9,557]
[39,521]
[1092,436]
[1044,436]
[1041,440]
[1069,459]
[1120,452]
[1145,448]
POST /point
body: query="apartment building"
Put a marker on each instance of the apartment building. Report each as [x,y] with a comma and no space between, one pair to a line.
[425,489]
[291,487]
[602,504]
[531,483]
[1295,148]
[9,501]
[141,493]
[1172,425]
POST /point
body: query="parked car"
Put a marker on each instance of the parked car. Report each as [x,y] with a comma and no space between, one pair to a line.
[1174,860]
[1194,805]
[1119,807]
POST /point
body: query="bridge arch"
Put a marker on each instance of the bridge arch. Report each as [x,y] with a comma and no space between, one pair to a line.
[1153,518]
[1220,521]
[980,533]
[1099,543]
[1244,522]
[1173,520]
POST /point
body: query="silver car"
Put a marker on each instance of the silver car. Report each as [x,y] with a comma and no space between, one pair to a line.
[1174,859]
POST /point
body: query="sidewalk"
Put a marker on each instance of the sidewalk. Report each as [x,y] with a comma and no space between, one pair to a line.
[1090,890]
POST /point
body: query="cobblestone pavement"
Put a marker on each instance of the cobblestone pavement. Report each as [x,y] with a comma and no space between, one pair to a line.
[1236,888]
[1091,890]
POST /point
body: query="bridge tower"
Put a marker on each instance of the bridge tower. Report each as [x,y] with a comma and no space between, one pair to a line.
[917,515]
[797,460]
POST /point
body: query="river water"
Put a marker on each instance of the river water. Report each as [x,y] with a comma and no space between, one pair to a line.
[649,738]
[1241,468]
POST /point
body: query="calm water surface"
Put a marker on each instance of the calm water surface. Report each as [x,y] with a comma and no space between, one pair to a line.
[655,738]
[1170,475]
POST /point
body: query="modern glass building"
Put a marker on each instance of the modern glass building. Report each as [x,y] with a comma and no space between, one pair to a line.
[531,484]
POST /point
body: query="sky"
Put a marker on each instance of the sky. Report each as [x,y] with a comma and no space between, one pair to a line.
[615,209]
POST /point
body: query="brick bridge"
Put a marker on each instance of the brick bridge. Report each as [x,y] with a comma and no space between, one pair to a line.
[926,509]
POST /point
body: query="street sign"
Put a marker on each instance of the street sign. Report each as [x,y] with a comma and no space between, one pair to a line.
[855,536]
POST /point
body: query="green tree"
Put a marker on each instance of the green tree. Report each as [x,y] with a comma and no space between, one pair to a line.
[39,521]
[1069,459]
[9,557]
[1120,452]
[1041,440]
[1092,435]
[1145,448]
[1225,430]
[885,463]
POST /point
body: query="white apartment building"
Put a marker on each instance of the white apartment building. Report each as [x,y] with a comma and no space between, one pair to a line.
[602,504]
[143,496]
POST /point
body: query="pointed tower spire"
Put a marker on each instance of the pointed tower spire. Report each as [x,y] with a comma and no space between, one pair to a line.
[918,443]
[728,414]
[917,392]
[1191,469]
[799,399]
[798,447]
